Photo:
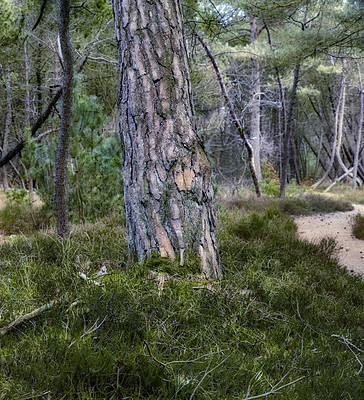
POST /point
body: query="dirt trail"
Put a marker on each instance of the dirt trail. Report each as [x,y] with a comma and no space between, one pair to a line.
[338,226]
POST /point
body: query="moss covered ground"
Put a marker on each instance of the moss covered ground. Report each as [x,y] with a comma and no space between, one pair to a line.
[285,322]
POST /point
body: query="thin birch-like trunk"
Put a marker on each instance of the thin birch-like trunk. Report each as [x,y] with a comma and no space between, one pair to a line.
[255,101]
[359,135]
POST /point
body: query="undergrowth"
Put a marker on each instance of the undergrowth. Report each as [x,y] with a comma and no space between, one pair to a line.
[18,215]
[358,226]
[344,191]
[303,205]
[285,315]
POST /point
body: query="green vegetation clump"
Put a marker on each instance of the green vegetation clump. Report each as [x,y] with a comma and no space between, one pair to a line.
[344,191]
[19,215]
[358,226]
[303,205]
[285,315]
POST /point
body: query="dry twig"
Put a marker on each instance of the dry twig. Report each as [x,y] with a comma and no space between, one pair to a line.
[25,317]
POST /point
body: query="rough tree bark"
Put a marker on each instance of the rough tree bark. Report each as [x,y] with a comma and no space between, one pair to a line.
[167,188]
[65,124]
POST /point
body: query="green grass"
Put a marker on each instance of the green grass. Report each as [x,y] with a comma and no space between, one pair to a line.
[18,215]
[303,205]
[271,321]
[344,191]
[358,226]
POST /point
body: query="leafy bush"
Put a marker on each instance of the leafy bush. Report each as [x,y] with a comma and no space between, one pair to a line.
[94,167]
[270,184]
[270,188]
[19,215]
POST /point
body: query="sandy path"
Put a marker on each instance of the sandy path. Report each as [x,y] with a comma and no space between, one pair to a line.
[338,226]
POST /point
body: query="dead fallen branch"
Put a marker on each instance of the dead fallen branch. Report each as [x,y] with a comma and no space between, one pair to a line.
[25,317]
[93,328]
[349,345]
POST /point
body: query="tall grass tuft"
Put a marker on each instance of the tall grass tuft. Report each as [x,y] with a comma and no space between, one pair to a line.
[303,205]
[358,226]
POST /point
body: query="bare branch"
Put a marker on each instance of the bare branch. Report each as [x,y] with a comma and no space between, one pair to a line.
[40,14]
[25,317]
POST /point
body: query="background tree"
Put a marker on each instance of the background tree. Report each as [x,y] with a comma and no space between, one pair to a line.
[65,122]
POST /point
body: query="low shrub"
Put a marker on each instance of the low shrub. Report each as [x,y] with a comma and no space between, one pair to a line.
[18,215]
[358,226]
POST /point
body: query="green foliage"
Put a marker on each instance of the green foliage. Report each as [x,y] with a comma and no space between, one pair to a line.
[17,196]
[271,321]
[162,264]
[94,167]
[95,179]
[358,226]
[270,188]
[10,21]
[19,215]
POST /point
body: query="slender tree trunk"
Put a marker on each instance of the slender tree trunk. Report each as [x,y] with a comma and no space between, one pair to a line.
[38,77]
[340,132]
[360,125]
[318,155]
[42,118]
[65,124]
[336,133]
[7,123]
[27,86]
[295,161]
[282,116]
[167,178]
[28,113]
[235,120]
[288,130]
[255,102]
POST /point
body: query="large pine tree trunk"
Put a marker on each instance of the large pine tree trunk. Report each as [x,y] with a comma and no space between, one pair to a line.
[168,193]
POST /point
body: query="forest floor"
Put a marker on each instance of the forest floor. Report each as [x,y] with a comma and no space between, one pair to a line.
[338,226]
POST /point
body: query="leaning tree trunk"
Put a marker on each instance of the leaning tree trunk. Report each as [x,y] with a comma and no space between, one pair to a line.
[65,125]
[238,125]
[167,187]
